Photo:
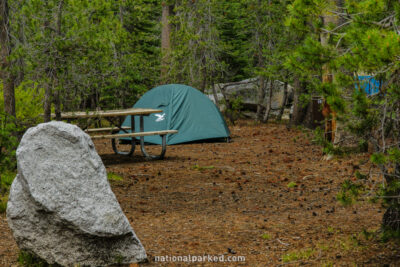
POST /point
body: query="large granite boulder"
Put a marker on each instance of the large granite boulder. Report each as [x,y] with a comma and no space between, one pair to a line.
[61,207]
[247,90]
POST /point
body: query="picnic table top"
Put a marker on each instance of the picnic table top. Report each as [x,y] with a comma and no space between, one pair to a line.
[107,113]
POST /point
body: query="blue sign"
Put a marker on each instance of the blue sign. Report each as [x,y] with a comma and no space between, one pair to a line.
[368,84]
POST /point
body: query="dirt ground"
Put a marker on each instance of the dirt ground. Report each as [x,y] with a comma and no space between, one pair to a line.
[268,196]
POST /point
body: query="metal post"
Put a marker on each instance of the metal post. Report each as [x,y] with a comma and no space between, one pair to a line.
[142,147]
[133,141]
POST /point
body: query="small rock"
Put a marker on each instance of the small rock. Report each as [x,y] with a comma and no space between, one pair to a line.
[230,250]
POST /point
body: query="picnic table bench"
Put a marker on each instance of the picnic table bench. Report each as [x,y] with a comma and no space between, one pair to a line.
[115,128]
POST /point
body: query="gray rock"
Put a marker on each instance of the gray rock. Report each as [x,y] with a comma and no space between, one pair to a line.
[61,207]
[247,90]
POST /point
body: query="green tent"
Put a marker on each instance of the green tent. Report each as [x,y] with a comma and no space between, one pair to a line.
[185,109]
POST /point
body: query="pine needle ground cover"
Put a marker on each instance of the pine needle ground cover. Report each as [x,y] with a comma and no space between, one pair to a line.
[234,199]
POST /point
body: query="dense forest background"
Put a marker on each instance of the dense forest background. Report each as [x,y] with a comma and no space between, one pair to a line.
[64,55]
[74,55]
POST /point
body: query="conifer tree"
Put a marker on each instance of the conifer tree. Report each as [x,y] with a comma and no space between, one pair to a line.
[6,73]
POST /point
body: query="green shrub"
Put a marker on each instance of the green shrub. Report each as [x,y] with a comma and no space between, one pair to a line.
[29,260]
[8,145]
[292,185]
[3,203]
[114,177]
[28,102]
[266,236]
[8,142]
[298,255]
[6,179]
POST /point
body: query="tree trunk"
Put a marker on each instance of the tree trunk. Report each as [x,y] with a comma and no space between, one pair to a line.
[20,62]
[269,102]
[204,76]
[56,89]
[57,103]
[6,75]
[298,110]
[327,77]
[214,91]
[47,102]
[228,107]
[261,96]
[340,4]
[284,100]
[308,120]
[261,62]
[165,40]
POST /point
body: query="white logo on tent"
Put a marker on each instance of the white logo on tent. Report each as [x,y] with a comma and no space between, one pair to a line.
[160,117]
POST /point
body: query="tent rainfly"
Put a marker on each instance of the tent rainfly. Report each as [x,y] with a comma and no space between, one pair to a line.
[185,109]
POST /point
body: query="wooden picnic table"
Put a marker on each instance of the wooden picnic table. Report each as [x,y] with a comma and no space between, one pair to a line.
[110,115]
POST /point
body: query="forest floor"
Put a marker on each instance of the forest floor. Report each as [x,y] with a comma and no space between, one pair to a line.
[268,196]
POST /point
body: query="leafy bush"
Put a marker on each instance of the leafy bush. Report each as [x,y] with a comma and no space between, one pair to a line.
[6,179]
[292,185]
[3,203]
[8,145]
[114,177]
[233,107]
[29,260]
[28,102]
[8,142]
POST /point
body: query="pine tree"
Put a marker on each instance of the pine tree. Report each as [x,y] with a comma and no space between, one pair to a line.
[6,73]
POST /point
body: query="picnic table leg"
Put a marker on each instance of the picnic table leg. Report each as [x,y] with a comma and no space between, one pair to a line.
[133,141]
[142,147]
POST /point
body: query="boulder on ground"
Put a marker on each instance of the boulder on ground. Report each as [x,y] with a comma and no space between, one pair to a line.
[61,207]
[247,90]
